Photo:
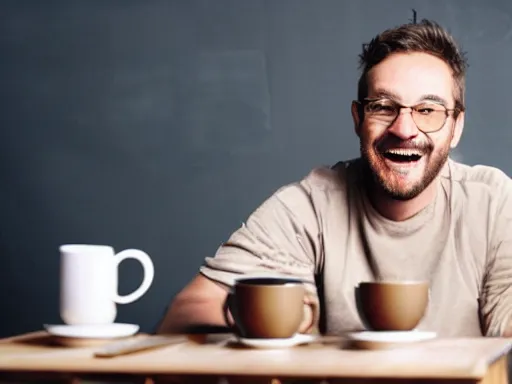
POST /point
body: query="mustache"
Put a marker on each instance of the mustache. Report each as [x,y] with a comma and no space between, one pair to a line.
[396,143]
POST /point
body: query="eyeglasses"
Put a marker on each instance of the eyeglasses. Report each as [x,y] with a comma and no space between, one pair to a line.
[428,116]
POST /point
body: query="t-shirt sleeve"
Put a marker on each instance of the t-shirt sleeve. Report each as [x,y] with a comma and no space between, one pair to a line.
[496,298]
[280,238]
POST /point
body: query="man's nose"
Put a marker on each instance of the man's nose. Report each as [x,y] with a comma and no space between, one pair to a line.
[404,126]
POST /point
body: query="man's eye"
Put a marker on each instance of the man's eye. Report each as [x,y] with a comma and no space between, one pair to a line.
[428,108]
[381,108]
[425,111]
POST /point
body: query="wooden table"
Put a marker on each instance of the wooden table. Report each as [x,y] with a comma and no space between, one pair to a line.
[206,359]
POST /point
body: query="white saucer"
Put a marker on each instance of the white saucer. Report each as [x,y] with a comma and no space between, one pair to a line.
[277,343]
[103,331]
[393,337]
[383,340]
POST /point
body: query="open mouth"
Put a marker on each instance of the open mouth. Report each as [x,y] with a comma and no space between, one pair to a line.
[406,156]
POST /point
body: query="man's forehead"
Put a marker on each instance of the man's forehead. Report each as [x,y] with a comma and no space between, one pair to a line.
[410,78]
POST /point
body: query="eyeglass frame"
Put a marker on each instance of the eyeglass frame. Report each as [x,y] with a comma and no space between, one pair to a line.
[399,106]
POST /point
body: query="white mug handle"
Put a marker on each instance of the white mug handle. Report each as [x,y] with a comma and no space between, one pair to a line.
[149,273]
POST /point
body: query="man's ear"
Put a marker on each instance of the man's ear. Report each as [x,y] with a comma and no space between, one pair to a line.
[356,117]
[457,131]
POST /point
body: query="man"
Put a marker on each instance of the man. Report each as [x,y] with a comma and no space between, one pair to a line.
[403,210]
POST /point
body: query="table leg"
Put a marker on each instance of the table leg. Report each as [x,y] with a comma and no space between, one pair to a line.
[205,379]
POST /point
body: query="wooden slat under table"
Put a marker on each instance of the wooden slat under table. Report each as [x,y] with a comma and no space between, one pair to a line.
[211,357]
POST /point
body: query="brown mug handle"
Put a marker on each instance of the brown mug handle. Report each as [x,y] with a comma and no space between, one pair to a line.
[227,310]
[314,306]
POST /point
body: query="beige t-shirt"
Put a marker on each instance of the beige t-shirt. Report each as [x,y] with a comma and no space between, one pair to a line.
[324,230]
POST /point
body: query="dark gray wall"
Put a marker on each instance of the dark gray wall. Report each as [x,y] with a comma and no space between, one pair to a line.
[161,125]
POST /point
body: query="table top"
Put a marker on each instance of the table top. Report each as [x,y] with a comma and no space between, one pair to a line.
[218,355]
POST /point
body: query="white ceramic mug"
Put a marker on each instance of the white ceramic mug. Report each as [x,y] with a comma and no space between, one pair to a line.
[89,282]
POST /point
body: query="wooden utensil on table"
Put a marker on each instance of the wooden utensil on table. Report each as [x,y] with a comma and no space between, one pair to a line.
[135,345]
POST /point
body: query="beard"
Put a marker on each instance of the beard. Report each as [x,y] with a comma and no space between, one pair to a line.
[376,172]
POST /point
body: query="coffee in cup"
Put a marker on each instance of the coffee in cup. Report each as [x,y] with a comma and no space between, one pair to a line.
[392,305]
[266,307]
[89,282]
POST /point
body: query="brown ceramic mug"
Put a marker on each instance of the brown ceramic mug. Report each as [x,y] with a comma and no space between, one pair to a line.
[392,305]
[266,307]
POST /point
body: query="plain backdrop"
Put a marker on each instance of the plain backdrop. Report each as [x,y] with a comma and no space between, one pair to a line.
[161,125]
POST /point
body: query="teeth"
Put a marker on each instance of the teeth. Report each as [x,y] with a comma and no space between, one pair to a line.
[404,152]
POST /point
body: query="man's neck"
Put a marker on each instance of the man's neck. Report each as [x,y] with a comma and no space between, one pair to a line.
[400,210]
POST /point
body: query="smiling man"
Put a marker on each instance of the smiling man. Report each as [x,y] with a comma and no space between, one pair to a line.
[403,210]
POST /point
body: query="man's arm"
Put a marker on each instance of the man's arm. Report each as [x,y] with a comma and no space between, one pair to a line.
[200,304]
[278,238]
[496,296]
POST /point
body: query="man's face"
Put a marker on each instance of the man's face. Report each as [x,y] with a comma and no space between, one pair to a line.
[402,159]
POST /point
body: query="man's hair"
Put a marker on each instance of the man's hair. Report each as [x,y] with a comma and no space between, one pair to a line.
[426,37]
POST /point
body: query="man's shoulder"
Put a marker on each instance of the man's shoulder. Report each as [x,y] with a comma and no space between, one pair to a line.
[333,177]
[323,179]
[477,176]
